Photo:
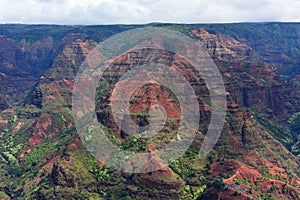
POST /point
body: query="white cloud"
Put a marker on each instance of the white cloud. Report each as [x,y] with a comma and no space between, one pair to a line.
[145,11]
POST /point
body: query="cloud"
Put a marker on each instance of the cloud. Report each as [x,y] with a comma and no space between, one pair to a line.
[145,11]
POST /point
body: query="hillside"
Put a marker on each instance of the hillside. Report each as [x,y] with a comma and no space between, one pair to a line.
[257,155]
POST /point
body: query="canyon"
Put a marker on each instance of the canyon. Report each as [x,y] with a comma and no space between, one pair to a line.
[256,157]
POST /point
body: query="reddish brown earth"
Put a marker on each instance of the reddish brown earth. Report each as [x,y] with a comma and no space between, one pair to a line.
[245,88]
[244,172]
[244,154]
[41,127]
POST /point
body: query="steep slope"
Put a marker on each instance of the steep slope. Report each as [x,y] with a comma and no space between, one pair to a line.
[276,43]
[242,133]
[23,58]
[27,51]
[255,85]
[246,77]
[14,79]
[43,157]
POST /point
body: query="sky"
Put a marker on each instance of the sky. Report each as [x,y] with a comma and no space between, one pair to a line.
[147,11]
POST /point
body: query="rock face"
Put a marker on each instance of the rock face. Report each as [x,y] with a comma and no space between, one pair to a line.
[258,86]
[56,84]
[14,78]
[276,43]
[250,82]
[11,57]
[44,157]
[150,94]
[21,63]
[225,48]
[269,98]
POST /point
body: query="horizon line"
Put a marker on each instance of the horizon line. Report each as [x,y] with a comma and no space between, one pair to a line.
[149,23]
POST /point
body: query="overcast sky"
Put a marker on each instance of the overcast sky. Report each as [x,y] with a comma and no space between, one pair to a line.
[146,11]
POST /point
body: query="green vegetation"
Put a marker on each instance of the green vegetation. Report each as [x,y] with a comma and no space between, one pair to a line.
[282,132]
[294,125]
[276,177]
[193,192]
[3,195]
[218,183]
[183,168]
[243,181]
[48,146]
[135,144]
[60,168]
